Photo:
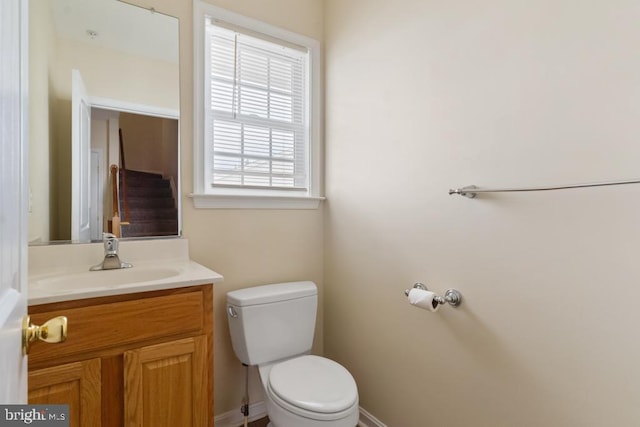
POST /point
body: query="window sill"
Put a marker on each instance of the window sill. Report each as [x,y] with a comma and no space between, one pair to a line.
[217,201]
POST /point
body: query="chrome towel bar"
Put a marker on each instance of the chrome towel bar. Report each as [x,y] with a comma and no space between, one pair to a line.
[471,191]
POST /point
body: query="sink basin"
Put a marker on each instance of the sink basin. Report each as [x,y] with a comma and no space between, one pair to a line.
[104,278]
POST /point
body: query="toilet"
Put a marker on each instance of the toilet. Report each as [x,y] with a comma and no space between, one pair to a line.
[272,327]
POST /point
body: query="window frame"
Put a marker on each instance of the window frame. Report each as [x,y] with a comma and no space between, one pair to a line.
[248,198]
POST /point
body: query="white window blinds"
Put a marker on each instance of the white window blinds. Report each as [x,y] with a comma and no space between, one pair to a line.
[256,112]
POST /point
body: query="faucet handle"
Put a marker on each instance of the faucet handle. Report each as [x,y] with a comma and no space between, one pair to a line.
[110,243]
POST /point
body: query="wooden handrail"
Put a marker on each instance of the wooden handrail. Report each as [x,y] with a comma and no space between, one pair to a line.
[115,218]
[125,196]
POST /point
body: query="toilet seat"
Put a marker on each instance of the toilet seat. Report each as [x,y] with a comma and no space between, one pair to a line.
[313,387]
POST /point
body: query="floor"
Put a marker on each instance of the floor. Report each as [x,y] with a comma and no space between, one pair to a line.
[260,423]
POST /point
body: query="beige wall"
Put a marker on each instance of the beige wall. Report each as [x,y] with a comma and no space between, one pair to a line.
[249,247]
[150,144]
[423,96]
[40,126]
[170,148]
[61,169]
[108,73]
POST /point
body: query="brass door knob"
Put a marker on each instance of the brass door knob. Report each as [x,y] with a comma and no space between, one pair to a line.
[52,331]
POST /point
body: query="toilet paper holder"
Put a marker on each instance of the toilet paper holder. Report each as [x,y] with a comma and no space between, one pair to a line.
[451,296]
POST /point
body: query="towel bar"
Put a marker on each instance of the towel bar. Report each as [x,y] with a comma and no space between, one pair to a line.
[471,191]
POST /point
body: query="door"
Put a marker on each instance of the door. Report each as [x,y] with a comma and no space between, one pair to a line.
[13,198]
[97,195]
[80,160]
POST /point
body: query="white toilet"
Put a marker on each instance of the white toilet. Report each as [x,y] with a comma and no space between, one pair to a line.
[272,327]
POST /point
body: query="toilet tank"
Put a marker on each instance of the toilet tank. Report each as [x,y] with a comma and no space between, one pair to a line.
[272,322]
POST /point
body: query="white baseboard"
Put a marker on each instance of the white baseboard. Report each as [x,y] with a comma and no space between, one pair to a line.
[235,418]
[259,410]
[368,420]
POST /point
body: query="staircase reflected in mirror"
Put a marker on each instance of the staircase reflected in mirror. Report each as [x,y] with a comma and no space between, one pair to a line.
[152,208]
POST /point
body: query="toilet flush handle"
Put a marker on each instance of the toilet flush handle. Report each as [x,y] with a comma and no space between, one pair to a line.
[232,311]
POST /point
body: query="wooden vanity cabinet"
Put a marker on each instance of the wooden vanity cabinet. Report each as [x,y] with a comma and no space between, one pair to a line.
[142,359]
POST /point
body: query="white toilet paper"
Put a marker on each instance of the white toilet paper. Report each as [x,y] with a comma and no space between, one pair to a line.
[423,299]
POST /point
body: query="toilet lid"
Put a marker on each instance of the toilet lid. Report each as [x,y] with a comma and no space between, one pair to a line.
[314,383]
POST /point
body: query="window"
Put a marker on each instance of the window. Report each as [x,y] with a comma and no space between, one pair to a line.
[257,114]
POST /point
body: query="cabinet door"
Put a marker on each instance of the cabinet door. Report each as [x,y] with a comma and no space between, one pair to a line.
[75,384]
[166,384]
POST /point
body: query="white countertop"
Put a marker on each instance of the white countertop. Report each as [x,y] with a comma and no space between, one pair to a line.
[61,273]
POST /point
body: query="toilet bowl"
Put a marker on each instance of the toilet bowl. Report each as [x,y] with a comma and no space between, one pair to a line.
[310,391]
[272,328]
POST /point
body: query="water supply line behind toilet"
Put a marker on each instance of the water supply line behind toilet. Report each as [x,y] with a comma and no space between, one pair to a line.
[245,401]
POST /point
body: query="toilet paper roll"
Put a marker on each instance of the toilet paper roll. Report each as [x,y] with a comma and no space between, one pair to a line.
[423,299]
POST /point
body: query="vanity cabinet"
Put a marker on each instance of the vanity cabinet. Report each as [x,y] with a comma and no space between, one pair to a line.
[141,359]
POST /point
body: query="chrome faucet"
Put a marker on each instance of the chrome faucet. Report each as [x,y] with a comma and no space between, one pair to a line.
[111,260]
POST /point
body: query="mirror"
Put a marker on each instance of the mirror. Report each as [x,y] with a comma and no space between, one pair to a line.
[121,108]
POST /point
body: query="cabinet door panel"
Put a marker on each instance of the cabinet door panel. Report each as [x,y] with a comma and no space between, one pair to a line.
[75,384]
[166,384]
